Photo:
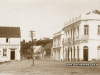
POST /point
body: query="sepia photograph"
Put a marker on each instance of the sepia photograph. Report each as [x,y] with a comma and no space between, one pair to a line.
[49,37]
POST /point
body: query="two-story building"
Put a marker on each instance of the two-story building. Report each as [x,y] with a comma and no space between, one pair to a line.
[82,37]
[10,38]
[57,49]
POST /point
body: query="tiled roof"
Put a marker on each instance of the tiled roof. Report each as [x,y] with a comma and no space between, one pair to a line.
[10,32]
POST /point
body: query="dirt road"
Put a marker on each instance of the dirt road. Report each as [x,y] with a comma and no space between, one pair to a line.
[41,67]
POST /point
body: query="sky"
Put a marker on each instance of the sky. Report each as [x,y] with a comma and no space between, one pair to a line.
[45,17]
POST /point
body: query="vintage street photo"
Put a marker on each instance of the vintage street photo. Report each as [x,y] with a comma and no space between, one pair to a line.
[49,37]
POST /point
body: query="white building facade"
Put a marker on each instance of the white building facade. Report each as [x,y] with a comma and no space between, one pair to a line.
[58,49]
[82,38]
[9,43]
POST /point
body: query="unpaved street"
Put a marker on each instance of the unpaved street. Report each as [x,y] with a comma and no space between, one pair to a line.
[42,67]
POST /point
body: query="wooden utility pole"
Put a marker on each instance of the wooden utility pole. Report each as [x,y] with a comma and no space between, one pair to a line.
[32,35]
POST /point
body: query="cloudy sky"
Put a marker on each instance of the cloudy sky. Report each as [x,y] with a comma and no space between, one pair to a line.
[45,17]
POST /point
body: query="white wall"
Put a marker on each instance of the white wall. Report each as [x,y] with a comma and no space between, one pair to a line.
[12,43]
[14,40]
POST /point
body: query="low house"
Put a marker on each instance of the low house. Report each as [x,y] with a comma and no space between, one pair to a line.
[9,43]
[37,51]
[46,52]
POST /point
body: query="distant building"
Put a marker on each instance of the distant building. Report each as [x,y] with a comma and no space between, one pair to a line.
[46,38]
[37,51]
[46,51]
[9,43]
[57,49]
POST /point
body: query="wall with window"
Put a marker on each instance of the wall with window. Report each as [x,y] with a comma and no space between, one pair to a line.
[72,30]
[58,46]
[6,44]
[58,38]
[90,28]
[4,55]
[9,40]
[87,29]
[93,51]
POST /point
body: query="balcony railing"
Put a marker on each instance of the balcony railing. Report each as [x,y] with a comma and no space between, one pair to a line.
[54,45]
[85,37]
[77,38]
[69,39]
[58,45]
[65,41]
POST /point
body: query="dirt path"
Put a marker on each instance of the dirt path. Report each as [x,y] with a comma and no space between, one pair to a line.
[15,67]
[25,67]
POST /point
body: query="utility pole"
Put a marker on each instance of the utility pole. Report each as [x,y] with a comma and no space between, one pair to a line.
[32,35]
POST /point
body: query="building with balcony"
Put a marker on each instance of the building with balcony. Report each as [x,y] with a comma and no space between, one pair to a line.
[57,49]
[82,37]
[9,43]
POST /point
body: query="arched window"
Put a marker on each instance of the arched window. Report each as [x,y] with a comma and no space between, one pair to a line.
[98,48]
[85,47]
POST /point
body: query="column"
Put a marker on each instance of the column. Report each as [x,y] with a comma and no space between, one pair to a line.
[81,53]
[56,54]
[70,54]
[75,54]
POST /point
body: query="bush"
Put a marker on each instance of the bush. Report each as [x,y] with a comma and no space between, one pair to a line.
[37,57]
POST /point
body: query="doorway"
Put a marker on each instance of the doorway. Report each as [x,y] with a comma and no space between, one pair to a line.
[85,53]
[98,52]
[77,53]
[71,55]
[68,54]
[12,55]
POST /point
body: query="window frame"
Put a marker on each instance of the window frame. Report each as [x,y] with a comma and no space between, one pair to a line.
[7,40]
[86,29]
[4,54]
[98,29]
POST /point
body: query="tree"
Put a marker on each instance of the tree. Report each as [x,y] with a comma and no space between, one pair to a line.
[44,42]
[25,46]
